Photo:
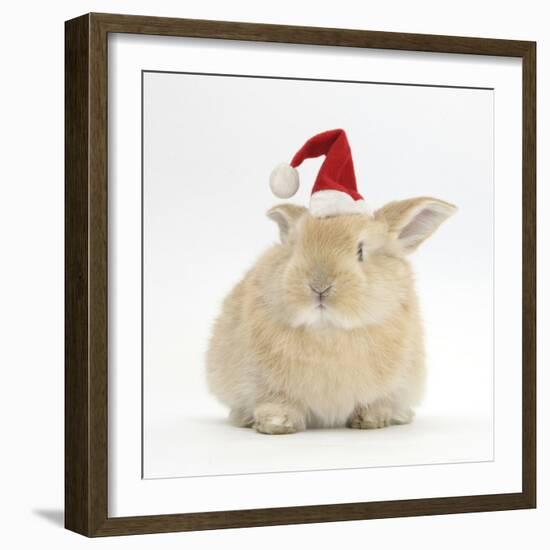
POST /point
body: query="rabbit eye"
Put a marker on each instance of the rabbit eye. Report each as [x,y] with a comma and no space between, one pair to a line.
[360,252]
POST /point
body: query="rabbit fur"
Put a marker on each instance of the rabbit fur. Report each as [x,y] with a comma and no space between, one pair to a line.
[325,329]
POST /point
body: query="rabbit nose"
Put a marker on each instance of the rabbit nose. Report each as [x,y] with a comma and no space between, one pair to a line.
[320,290]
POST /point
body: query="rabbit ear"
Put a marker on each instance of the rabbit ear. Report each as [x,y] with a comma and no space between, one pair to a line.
[412,221]
[285,216]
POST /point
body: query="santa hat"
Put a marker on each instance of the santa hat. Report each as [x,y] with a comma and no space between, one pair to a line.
[335,189]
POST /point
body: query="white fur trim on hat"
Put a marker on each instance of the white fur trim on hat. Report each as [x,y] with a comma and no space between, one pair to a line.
[332,203]
[284,181]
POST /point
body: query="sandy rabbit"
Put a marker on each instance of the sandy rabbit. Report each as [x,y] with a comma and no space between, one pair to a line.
[325,330]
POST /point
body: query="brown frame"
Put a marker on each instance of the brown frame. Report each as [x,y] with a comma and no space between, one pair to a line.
[86,273]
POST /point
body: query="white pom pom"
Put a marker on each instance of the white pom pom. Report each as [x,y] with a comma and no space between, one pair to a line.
[284,181]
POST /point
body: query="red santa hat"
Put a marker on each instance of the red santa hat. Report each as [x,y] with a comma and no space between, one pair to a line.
[335,189]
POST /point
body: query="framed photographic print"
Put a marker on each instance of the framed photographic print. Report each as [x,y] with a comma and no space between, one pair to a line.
[300,274]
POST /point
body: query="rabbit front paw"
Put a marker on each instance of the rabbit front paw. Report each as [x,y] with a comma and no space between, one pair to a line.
[277,419]
[378,416]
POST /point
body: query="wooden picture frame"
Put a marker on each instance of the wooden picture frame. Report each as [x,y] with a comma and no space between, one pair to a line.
[86,283]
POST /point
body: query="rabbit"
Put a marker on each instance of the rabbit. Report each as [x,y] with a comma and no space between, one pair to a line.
[325,330]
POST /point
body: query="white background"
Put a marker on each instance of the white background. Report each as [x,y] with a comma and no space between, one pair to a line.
[210,143]
[128,495]
[32,298]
